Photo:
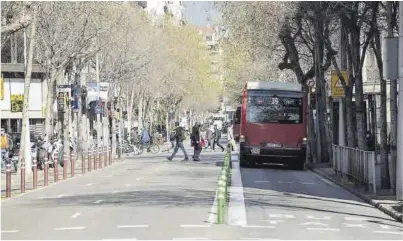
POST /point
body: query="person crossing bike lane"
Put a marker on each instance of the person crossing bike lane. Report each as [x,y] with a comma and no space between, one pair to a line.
[179,138]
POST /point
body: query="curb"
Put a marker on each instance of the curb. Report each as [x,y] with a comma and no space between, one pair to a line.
[394,214]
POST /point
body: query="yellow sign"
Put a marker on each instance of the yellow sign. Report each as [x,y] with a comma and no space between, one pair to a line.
[337,87]
[17,103]
[1,88]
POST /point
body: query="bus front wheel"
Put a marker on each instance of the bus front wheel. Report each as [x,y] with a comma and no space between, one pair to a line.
[243,162]
[298,166]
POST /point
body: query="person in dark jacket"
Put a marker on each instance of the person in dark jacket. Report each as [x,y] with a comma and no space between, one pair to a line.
[195,138]
[179,138]
[217,137]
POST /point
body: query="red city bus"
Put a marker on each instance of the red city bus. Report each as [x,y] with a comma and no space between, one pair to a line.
[237,123]
[273,124]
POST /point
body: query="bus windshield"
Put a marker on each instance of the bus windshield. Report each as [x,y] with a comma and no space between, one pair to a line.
[269,108]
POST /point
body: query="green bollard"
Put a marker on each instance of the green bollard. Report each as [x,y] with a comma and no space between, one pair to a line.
[221,203]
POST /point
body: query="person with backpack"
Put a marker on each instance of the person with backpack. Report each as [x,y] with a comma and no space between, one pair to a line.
[179,138]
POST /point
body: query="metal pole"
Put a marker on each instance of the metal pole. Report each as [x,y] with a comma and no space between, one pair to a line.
[399,159]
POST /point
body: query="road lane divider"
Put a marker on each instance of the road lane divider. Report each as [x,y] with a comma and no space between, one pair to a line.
[224,181]
[10,231]
[133,226]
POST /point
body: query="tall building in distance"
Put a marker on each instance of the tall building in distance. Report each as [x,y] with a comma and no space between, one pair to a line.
[213,37]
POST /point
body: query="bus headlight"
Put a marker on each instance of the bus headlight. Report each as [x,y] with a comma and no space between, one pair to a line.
[242,138]
[304,141]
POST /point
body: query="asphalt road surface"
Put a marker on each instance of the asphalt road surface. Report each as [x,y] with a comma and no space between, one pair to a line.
[151,198]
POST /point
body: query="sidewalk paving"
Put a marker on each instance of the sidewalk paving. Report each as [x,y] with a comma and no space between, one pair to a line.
[383,200]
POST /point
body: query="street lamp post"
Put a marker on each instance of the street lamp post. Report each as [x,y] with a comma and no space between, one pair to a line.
[399,159]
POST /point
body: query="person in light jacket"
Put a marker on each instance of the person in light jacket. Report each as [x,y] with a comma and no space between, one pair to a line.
[209,138]
[230,134]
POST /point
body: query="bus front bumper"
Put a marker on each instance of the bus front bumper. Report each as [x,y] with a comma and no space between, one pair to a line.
[272,155]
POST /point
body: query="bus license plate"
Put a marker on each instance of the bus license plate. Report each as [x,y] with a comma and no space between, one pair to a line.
[273,145]
[255,151]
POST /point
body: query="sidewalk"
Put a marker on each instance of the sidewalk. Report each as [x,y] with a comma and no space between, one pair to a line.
[16,177]
[384,201]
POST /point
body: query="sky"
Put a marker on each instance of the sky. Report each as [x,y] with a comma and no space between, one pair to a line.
[197,13]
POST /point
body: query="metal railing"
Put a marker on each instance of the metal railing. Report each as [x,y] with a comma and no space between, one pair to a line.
[356,164]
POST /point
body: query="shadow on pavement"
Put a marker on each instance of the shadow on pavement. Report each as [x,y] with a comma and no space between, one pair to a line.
[181,197]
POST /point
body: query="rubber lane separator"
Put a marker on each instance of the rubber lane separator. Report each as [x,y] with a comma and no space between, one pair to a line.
[69,228]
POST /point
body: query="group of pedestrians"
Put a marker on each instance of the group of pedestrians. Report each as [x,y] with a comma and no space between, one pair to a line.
[212,138]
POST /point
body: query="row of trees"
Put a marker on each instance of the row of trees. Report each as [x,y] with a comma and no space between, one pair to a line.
[301,41]
[151,64]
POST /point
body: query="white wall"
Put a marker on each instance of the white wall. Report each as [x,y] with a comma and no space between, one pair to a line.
[37,97]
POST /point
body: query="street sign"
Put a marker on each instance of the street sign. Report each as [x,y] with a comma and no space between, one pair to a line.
[63,88]
[337,89]
[17,103]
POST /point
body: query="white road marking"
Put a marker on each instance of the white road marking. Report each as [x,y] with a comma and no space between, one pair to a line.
[308,183]
[274,221]
[195,225]
[98,201]
[383,226]
[388,232]
[275,215]
[61,195]
[236,206]
[114,192]
[58,196]
[69,228]
[261,181]
[324,229]
[128,185]
[10,231]
[350,225]
[75,215]
[120,239]
[315,223]
[137,179]
[133,226]
[107,176]
[285,182]
[318,218]
[193,238]
[213,211]
[349,218]
[256,226]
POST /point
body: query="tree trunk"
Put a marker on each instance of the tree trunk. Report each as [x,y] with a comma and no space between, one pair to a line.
[27,83]
[130,114]
[140,113]
[350,118]
[385,178]
[360,114]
